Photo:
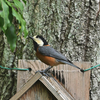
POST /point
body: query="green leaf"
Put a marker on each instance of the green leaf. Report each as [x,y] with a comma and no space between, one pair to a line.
[0,6]
[5,14]
[15,13]
[25,33]
[11,36]
[22,21]
[19,17]
[19,5]
[1,22]
[10,11]
[24,1]
[10,14]
[23,28]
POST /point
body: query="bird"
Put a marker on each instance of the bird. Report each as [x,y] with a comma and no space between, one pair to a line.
[49,55]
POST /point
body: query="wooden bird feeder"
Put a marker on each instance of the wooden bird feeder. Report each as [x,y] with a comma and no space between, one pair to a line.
[68,82]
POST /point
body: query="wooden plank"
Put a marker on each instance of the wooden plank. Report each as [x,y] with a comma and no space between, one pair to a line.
[23,76]
[76,82]
[26,87]
[56,89]
[48,85]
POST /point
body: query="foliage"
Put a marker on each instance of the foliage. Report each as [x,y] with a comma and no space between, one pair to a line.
[9,11]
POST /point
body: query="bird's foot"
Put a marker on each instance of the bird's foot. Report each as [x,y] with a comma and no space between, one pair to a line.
[44,72]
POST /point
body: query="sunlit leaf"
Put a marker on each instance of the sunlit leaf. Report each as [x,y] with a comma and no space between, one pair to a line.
[17,15]
[5,14]
[11,36]
[19,5]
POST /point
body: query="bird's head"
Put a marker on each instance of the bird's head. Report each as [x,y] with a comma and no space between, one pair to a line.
[38,40]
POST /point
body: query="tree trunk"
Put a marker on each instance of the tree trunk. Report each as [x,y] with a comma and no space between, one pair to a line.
[70,26]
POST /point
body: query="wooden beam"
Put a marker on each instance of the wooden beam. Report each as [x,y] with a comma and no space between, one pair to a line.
[56,89]
[49,85]
[26,86]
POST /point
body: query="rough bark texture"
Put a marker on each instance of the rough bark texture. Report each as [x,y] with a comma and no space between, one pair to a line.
[7,78]
[70,26]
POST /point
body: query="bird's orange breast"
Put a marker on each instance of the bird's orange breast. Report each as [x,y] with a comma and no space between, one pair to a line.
[47,60]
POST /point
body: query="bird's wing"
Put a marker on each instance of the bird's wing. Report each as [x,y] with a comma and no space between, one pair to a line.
[49,51]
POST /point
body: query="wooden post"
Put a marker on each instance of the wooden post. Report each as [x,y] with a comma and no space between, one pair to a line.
[75,82]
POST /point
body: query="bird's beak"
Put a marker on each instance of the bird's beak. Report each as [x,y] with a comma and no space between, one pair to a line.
[31,37]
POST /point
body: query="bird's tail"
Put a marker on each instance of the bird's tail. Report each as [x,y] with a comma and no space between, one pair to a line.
[71,64]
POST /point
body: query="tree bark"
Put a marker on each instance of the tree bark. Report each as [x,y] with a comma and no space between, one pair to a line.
[70,26]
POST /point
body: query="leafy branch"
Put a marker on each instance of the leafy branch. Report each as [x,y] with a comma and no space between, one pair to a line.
[7,13]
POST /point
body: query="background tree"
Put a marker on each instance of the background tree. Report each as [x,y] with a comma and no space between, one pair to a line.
[11,17]
[70,26]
